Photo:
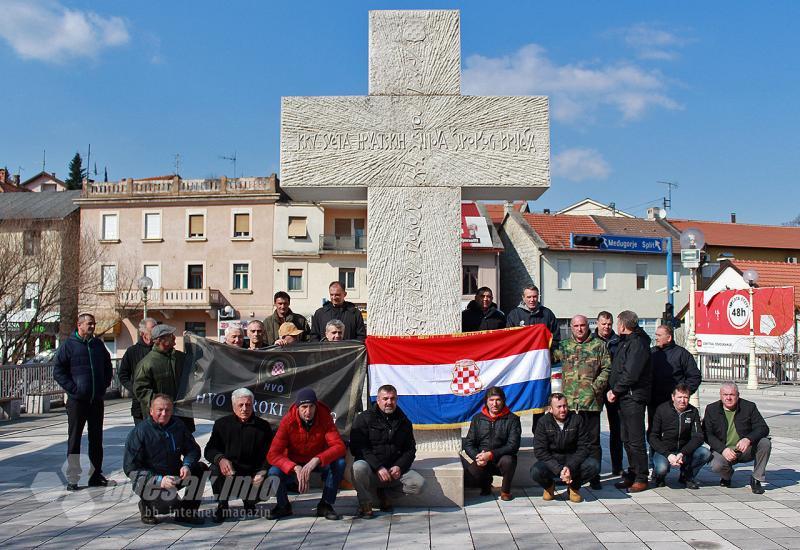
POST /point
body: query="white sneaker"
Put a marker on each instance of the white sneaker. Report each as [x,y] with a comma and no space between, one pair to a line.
[651,475]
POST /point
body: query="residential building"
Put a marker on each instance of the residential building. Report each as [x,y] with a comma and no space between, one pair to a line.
[204,243]
[44,182]
[586,280]
[480,251]
[9,183]
[39,244]
[590,207]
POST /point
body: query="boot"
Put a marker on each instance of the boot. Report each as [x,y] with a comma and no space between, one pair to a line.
[575,494]
[549,492]
[325,510]
[218,516]
[638,487]
[147,513]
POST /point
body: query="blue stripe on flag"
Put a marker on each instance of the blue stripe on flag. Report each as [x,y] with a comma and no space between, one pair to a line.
[454,409]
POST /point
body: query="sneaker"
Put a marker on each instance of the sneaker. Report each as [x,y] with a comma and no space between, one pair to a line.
[549,492]
[147,513]
[506,496]
[651,474]
[279,512]
[325,510]
[72,487]
[724,482]
[365,511]
[755,486]
[101,481]
[575,494]
[691,484]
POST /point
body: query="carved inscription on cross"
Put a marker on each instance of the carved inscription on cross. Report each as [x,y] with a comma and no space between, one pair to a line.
[415,147]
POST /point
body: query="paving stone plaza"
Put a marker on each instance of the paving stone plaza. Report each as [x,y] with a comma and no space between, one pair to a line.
[36,511]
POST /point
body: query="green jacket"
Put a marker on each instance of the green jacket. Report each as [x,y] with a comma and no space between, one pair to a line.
[585,368]
[158,372]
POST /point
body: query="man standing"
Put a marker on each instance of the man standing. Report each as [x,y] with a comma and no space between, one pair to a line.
[161,457]
[161,371]
[283,314]
[237,451]
[605,331]
[255,335]
[338,308]
[630,385]
[83,370]
[134,354]
[234,336]
[585,368]
[676,437]
[736,432]
[307,441]
[334,331]
[562,449]
[482,313]
[672,365]
[383,447]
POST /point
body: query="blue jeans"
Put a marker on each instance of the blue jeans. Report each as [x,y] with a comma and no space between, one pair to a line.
[542,475]
[691,467]
[331,474]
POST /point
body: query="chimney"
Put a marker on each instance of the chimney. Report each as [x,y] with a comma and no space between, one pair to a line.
[613,207]
[546,211]
[733,217]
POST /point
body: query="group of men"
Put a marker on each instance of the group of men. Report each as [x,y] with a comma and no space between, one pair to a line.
[621,372]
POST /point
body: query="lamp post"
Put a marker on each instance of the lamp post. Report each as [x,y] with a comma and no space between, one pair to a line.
[751,278]
[224,313]
[145,284]
[692,242]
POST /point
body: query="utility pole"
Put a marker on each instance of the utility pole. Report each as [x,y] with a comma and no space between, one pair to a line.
[668,198]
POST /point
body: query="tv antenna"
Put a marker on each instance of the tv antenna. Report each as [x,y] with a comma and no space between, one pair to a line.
[44,159]
[177,164]
[668,199]
[231,158]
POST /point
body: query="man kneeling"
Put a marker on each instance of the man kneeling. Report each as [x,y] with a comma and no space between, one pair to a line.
[562,445]
[161,457]
[383,447]
[237,451]
[307,441]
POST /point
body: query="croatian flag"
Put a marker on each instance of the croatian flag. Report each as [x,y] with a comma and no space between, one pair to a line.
[441,380]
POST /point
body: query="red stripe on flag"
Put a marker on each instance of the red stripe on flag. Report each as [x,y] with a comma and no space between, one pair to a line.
[449,348]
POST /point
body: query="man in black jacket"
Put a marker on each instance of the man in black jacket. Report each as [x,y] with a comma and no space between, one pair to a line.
[736,432]
[676,437]
[338,308]
[630,386]
[482,313]
[562,446]
[83,369]
[605,331]
[672,365]
[161,457]
[492,444]
[134,354]
[383,448]
[237,451]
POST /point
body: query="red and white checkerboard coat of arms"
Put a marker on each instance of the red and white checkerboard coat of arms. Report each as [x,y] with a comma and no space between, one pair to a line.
[466,379]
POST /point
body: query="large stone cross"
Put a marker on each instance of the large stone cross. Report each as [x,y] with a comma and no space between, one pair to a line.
[414,147]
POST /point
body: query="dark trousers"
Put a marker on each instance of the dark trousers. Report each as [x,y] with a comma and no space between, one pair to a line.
[542,474]
[238,486]
[631,414]
[651,413]
[162,501]
[482,475]
[614,436]
[79,414]
[591,419]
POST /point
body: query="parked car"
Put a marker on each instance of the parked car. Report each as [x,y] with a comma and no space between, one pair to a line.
[46,356]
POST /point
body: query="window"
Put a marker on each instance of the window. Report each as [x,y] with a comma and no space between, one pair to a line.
[31,296]
[49,187]
[599,275]
[152,225]
[154,272]
[295,281]
[347,276]
[194,276]
[241,224]
[31,242]
[641,277]
[343,227]
[109,230]
[564,279]
[196,327]
[108,278]
[469,279]
[241,276]
[297,227]
[197,226]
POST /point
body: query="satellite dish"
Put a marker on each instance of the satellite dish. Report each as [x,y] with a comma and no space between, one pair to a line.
[662,213]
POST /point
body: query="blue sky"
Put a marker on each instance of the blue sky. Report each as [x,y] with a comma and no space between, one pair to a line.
[700,93]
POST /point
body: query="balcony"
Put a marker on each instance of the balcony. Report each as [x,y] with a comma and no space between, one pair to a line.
[343,243]
[167,298]
[131,188]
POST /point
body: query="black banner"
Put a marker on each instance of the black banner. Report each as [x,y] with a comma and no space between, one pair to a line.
[334,370]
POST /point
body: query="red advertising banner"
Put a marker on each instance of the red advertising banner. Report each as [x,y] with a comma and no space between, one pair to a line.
[723,320]
[474,229]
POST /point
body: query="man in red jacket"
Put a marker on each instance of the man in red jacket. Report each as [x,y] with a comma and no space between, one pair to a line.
[307,441]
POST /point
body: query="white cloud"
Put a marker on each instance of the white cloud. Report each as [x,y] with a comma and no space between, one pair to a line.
[577,91]
[47,31]
[651,42]
[580,164]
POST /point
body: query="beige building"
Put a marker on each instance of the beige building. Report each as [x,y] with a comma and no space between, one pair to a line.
[205,244]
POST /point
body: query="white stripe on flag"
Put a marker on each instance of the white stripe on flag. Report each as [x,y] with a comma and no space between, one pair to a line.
[436,379]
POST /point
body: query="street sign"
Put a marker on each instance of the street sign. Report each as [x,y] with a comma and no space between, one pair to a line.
[621,243]
[690,257]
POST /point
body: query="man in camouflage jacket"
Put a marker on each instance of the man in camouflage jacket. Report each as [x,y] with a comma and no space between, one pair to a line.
[585,368]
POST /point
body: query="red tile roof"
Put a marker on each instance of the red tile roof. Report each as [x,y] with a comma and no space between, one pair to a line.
[744,235]
[156,178]
[637,227]
[497,212]
[555,229]
[6,187]
[774,274]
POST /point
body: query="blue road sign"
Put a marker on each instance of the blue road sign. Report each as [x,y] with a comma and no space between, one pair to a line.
[649,245]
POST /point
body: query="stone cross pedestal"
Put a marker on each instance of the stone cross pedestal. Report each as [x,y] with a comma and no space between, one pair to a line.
[415,147]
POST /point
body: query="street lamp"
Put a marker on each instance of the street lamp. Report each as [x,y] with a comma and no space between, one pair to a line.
[8,303]
[692,242]
[224,313]
[145,284]
[751,278]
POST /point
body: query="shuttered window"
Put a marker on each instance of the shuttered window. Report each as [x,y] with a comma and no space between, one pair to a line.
[197,225]
[297,227]
[241,225]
